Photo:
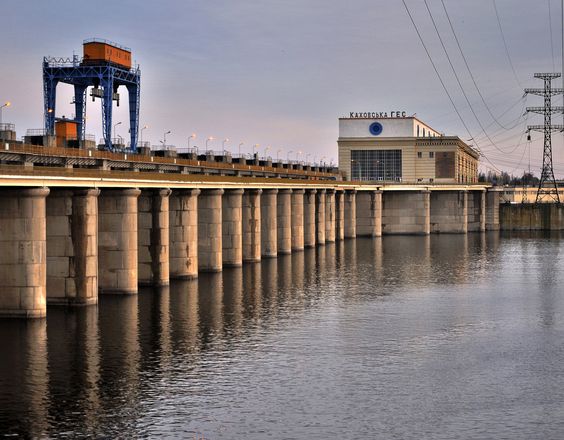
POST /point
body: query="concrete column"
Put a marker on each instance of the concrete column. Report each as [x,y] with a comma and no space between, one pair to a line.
[184,233]
[251,225]
[406,212]
[339,215]
[72,247]
[350,213]
[209,231]
[309,218]
[269,224]
[449,212]
[320,216]
[482,210]
[330,216]
[117,241]
[298,220]
[369,213]
[232,227]
[492,209]
[23,256]
[154,237]
[284,210]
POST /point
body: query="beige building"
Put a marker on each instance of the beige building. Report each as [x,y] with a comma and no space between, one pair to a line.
[402,149]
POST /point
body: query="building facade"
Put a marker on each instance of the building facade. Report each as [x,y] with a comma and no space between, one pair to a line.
[403,149]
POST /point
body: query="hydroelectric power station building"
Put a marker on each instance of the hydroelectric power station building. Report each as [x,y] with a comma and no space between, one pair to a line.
[400,148]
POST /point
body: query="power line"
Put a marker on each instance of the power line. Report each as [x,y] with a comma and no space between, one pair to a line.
[435,68]
[469,70]
[505,44]
[458,79]
[550,30]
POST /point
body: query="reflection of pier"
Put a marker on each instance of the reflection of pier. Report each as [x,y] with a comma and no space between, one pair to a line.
[69,236]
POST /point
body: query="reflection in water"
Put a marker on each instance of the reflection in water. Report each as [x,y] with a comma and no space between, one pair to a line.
[409,337]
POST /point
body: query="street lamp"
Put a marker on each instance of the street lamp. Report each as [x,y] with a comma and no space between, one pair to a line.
[211,138]
[278,154]
[192,136]
[223,143]
[6,104]
[307,155]
[141,134]
[298,155]
[255,146]
[115,125]
[164,138]
[266,150]
[242,143]
[288,156]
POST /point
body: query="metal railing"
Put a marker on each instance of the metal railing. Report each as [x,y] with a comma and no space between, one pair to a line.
[104,41]
[35,132]
[141,158]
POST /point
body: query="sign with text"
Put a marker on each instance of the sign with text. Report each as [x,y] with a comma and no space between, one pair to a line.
[365,115]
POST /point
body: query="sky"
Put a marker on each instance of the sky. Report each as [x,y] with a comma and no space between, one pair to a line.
[279,73]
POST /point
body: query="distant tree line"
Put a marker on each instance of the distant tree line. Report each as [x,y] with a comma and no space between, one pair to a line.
[504,178]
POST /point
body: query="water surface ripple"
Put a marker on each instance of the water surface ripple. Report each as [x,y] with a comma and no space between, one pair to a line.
[441,337]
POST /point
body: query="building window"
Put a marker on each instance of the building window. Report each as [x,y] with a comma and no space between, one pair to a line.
[419,155]
[376,165]
[418,131]
[423,132]
[431,154]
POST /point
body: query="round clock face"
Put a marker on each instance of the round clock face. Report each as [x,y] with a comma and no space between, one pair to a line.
[376,128]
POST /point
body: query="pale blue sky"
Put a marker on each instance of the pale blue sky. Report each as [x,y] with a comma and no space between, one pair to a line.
[280,73]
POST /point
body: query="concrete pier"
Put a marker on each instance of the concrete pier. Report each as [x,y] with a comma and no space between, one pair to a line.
[269,224]
[406,212]
[251,225]
[449,212]
[184,233]
[23,256]
[72,247]
[298,220]
[117,241]
[232,227]
[350,213]
[492,209]
[369,213]
[330,216]
[476,211]
[209,231]
[309,218]
[339,215]
[320,226]
[284,225]
[154,237]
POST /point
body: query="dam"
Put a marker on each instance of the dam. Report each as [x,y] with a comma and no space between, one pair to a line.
[70,234]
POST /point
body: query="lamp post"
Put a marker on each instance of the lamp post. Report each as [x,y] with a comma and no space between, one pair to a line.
[6,104]
[223,143]
[288,156]
[192,136]
[211,138]
[255,146]
[266,150]
[298,155]
[115,125]
[141,134]
[242,143]
[164,138]
[278,154]
[307,155]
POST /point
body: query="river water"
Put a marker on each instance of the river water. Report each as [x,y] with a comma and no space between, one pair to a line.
[440,337]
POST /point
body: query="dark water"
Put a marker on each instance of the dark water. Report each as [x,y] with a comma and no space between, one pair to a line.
[440,337]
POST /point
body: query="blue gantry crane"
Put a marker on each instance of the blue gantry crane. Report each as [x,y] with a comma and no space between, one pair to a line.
[105,66]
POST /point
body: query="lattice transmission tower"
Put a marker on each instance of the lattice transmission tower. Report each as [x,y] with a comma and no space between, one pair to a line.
[547,185]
